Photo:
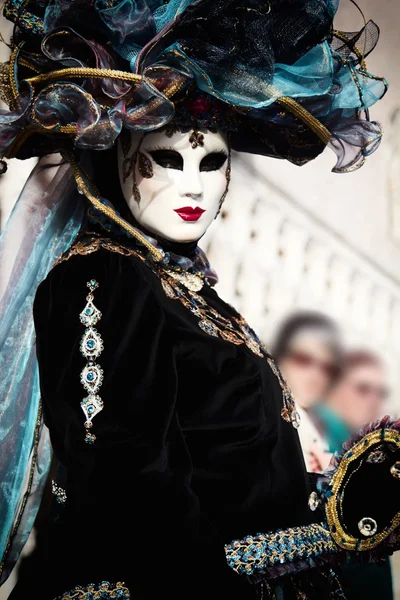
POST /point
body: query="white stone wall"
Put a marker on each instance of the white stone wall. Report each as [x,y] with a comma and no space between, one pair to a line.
[305,237]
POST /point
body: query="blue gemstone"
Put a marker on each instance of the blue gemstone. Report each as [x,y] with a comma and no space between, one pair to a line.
[88,311]
[90,409]
[90,343]
[90,376]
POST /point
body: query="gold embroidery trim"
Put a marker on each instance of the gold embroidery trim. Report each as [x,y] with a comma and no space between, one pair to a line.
[94,245]
[341,537]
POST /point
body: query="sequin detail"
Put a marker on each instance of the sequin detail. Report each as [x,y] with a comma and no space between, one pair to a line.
[257,554]
[102,591]
[313,501]
[91,347]
[367,526]
[59,493]
[395,470]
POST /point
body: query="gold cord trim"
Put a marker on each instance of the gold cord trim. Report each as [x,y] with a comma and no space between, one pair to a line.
[342,36]
[341,537]
[107,211]
[78,72]
[31,129]
[95,244]
[13,59]
[25,63]
[313,123]
[28,490]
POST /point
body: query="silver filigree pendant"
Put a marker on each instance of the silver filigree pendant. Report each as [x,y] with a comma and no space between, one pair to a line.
[92,377]
[92,374]
[91,343]
[91,406]
[90,314]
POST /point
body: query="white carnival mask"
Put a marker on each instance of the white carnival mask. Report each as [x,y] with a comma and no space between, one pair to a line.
[175,184]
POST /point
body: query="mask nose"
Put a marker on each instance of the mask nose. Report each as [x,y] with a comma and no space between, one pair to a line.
[193,195]
[191,185]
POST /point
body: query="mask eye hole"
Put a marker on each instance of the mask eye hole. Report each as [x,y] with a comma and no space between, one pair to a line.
[168,159]
[213,161]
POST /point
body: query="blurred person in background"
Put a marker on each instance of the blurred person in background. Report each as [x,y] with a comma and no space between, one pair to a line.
[357,398]
[308,350]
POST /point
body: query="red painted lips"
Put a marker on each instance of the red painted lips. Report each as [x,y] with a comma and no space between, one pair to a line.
[187,213]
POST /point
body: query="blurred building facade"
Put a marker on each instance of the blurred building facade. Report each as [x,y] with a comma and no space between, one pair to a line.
[307,238]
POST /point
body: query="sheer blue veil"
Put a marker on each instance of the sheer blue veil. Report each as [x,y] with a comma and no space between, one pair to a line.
[43,224]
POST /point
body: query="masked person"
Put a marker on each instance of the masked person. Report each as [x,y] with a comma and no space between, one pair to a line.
[174,430]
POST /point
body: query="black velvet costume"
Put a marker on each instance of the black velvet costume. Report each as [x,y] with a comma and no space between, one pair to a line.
[191,449]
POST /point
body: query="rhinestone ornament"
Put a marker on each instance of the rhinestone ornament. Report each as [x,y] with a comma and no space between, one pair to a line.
[92,378]
[395,470]
[368,526]
[376,457]
[313,501]
[59,493]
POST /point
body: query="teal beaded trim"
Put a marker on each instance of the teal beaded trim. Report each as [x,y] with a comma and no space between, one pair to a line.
[14,10]
[91,347]
[102,591]
[257,554]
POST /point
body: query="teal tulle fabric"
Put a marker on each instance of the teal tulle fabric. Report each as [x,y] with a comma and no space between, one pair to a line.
[43,224]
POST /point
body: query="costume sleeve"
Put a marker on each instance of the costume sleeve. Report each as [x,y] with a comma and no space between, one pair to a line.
[130,490]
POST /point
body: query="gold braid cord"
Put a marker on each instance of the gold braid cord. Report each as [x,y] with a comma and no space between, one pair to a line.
[301,113]
[107,210]
[6,94]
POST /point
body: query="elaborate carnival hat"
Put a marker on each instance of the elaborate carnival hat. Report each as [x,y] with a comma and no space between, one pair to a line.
[274,74]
